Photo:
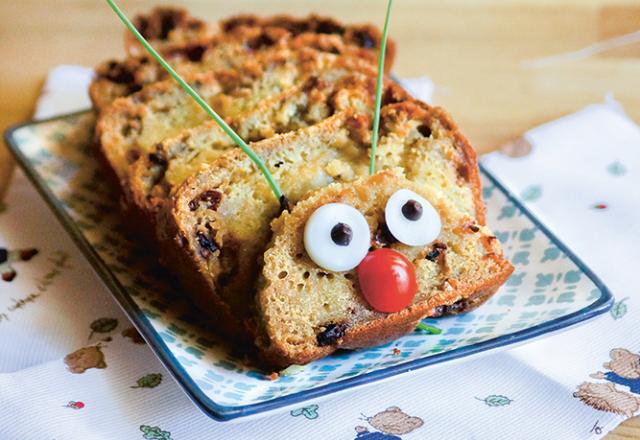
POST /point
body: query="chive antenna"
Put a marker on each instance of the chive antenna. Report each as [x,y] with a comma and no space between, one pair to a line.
[430,329]
[379,82]
[201,102]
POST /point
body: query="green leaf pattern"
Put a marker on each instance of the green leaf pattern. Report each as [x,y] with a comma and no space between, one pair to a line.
[616,169]
[309,412]
[103,325]
[151,380]
[619,309]
[532,193]
[494,400]
[154,433]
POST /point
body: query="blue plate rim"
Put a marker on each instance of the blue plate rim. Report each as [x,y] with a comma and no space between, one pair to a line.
[225,413]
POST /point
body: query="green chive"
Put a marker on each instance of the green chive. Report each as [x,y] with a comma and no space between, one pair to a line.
[201,102]
[291,370]
[428,328]
[376,115]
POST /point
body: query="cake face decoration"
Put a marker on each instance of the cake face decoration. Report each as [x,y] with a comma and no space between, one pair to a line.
[411,219]
[337,237]
[387,280]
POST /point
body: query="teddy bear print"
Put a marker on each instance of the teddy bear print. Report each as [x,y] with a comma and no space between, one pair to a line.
[84,358]
[390,424]
[624,369]
[605,397]
[7,257]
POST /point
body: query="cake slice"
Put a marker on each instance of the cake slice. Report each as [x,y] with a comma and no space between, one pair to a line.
[167,28]
[228,50]
[306,312]
[131,126]
[115,79]
[365,36]
[218,225]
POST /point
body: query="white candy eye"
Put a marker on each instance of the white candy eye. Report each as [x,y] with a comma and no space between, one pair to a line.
[337,237]
[411,218]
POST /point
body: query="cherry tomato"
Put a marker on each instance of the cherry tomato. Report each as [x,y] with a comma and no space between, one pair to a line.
[387,280]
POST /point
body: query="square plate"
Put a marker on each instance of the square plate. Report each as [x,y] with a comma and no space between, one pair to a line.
[550,289]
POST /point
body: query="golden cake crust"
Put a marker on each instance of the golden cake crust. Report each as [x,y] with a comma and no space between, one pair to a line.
[365,36]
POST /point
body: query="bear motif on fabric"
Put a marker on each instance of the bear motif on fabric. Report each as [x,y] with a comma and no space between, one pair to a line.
[389,425]
[624,371]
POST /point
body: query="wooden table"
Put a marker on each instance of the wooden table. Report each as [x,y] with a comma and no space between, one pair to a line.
[474,51]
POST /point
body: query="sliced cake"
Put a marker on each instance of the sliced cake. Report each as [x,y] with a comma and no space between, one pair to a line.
[339,258]
[131,126]
[154,177]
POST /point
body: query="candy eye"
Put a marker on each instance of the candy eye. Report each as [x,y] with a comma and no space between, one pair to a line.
[337,237]
[411,218]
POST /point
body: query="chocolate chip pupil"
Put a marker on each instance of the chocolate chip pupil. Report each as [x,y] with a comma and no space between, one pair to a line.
[341,234]
[412,210]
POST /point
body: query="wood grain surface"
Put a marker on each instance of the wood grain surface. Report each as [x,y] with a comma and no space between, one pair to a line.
[475,52]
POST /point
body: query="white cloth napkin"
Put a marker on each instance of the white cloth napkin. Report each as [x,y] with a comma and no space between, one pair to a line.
[581,178]
[65,91]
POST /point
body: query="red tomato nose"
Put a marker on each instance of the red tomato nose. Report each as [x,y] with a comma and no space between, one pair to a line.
[387,280]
